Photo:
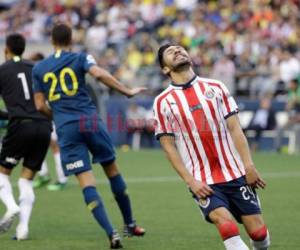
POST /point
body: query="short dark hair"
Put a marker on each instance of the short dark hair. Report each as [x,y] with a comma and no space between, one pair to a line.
[160,54]
[16,43]
[61,35]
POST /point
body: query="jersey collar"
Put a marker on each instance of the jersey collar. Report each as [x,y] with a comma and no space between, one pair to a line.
[185,85]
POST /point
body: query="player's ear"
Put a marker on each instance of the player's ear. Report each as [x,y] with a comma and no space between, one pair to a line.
[166,70]
[6,52]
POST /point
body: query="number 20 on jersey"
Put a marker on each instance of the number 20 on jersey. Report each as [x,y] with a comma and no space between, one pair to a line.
[50,76]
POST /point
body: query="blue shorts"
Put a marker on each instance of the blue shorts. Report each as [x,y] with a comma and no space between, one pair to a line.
[239,198]
[76,141]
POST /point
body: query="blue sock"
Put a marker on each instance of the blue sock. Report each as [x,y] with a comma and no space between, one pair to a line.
[95,205]
[118,187]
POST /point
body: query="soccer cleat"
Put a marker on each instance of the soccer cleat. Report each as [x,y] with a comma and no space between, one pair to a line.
[41,181]
[115,240]
[133,230]
[57,186]
[21,234]
[7,220]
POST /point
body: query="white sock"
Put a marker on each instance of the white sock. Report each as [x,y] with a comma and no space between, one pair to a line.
[261,245]
[59,171]
[26,200]
[235,243]
[6,193]
[44,169]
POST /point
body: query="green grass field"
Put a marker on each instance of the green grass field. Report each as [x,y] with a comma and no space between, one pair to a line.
[162,204]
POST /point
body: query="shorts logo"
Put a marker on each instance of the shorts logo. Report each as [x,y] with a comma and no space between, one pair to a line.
[204,202]
[74,165]
[209,94]
[11,160]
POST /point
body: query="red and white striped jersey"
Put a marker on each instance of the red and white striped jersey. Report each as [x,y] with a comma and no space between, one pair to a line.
[195,113]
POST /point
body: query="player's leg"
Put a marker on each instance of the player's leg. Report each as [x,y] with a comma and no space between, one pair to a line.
[61,178]
[101,147]
[245,206]
[7,197]
[26,202]
[75,161]
[215,209]
[227,228]
[11,152]
[94,203]
[257,231]
[118,187]
[36,135]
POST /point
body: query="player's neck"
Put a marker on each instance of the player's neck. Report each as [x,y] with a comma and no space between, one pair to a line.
[62,48]
[10,56]
[181,78]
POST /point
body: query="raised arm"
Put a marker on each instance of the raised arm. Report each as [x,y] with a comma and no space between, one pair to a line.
[241,144]
[200,189]
[110,81]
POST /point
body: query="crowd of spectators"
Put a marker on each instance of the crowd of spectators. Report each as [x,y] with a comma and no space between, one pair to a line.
[251,45]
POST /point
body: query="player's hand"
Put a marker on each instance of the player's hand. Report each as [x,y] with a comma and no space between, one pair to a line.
[253,178]
[135,91]
[200,189]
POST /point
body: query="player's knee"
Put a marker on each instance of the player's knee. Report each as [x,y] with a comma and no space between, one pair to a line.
[228,229]
[260,238]
[259,234]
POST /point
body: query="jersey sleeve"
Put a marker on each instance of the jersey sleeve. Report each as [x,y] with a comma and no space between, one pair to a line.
[88,61]
[229,106]
[37,83]
[162,124]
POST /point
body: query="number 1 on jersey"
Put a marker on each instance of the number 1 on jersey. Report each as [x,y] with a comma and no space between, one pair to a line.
[22,76]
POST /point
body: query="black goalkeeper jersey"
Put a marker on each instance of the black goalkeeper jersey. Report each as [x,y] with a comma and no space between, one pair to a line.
[16,89]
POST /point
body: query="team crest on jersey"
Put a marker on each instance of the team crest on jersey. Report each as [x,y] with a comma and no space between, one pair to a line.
[209,94]
[204,202]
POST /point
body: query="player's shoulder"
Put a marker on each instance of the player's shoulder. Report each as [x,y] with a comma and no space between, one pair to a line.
[160,97]
[210,81]
[10,64]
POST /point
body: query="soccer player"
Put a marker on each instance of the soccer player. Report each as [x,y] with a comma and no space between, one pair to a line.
[60,79]
[198,128]
[27,137]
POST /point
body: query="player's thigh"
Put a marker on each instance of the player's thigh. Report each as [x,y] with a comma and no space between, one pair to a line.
[243,199]
[100,144]
[73,150]
[38,138]
[220,216]
[13,145]
[214,207]
[252,223]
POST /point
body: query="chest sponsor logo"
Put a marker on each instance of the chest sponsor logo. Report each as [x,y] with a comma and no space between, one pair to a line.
[196,107]
[75,165]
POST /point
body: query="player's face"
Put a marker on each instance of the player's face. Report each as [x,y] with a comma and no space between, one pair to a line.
[176,58]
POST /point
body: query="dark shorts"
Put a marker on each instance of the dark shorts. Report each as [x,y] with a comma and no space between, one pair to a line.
[239,198]
[27,139]
[76,141]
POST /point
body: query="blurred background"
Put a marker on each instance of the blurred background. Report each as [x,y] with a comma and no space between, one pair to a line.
[252,46]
